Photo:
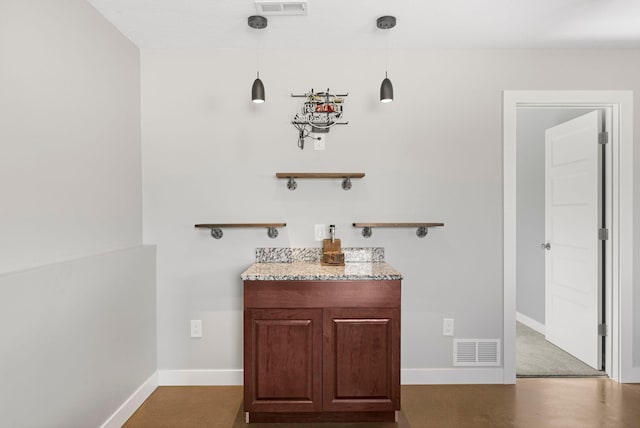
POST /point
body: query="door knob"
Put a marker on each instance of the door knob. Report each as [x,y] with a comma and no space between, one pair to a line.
[546,246]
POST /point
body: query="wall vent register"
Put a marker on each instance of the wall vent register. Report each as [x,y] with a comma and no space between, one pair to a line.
[476,352]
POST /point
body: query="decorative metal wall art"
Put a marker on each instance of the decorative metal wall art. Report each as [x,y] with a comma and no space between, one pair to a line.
[320,112]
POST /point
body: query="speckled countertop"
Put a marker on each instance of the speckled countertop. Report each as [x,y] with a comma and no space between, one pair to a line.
[304,265]
[306,271]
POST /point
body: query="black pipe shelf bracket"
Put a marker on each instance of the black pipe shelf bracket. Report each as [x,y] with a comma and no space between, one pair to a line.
[346,177]
[421,231]
[216,228]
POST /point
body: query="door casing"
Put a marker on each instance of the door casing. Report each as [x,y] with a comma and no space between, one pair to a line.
[619,220]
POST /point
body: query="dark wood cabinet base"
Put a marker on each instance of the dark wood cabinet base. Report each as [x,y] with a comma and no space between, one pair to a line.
[322,351]
[264,417]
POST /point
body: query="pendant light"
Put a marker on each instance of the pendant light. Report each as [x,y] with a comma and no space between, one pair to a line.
[257,89]
[386,88]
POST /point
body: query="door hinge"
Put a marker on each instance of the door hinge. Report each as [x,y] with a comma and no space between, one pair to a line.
[603,137]
[603,330]
[603,234]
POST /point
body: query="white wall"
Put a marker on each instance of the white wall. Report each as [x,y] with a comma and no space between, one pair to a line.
[434,154]
[77,289]
[69,131]
[530,206]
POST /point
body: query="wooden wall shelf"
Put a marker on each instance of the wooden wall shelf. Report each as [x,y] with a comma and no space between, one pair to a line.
[216,228]
[346,176]
[422,228]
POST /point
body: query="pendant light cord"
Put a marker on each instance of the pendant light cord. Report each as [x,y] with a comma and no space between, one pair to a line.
[258,58]
[386,66]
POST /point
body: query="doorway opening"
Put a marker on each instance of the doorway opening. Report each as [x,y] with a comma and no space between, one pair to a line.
[617,272]
[562,176]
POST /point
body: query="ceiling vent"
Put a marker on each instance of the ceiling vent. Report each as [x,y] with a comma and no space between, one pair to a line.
[278,7]
[476,352]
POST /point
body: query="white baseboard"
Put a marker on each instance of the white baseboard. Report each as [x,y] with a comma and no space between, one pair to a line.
[408,377]
[201,377]
[456,376]
[631,375]
[530,322]
[132,403]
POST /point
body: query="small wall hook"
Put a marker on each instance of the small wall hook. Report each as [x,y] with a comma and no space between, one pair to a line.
[272,232]
[216,232]
[367,232]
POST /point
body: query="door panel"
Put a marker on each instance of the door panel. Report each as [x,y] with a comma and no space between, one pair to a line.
[361,359]
[573,281]
[283,360]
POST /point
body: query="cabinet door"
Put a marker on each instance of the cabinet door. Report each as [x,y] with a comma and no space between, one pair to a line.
[361,359]
[282,360]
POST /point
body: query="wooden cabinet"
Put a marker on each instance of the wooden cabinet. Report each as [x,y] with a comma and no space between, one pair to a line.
[321,350]
[283,360]
[361,359]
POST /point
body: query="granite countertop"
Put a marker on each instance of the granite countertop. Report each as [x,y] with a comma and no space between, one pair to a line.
[309,271]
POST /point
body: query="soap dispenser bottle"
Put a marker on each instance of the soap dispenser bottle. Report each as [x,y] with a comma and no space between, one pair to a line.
[332,254]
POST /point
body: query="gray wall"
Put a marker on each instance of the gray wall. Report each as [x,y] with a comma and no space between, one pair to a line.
[77,289]
[530,206]
[434,154]
[78,338]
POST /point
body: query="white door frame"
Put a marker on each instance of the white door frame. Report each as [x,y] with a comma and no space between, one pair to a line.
[621,231]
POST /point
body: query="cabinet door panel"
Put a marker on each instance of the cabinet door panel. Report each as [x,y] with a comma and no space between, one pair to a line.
[361,359]
[283,360]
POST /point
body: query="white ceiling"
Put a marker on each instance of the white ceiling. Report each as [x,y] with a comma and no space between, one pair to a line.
[352,24]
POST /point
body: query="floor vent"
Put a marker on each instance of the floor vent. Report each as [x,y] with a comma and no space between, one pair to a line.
[476,352]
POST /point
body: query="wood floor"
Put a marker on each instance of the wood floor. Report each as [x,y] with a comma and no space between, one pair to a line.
[531,403]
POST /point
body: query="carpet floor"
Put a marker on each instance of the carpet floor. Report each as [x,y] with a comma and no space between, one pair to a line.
[536,357]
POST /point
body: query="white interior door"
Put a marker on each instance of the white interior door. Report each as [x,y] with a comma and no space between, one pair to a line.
[573,259]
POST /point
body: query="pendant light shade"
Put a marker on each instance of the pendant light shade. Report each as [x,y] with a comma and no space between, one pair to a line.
[257,90]
[386,90]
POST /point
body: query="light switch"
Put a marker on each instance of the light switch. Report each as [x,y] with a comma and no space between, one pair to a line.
[447,326]
[319,233]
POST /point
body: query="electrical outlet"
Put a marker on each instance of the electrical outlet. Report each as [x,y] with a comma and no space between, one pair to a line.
[319,141]
[196,328]
[319,232]
[447,326]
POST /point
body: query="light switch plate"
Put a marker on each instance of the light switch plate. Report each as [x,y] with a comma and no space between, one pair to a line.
[196,328]
[319,232]
[447,326]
